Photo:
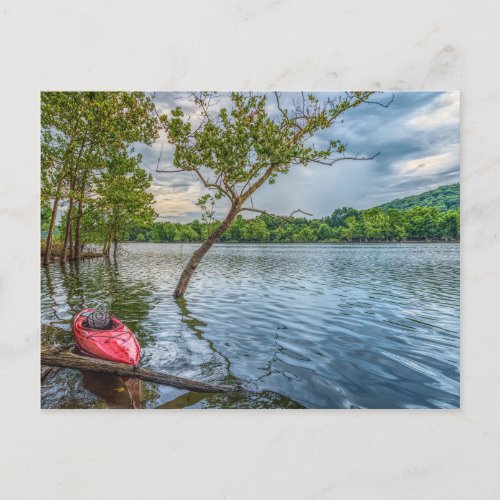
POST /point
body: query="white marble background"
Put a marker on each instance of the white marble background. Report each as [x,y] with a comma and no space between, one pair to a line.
[225,45]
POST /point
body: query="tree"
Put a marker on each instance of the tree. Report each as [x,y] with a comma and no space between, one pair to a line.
[234,152]
[186,233]
[257,231]
[375,224]
[236,231]
[339,215]
[305,234]
[60,148]
[45,215]
[350,229]
[324,232]
[397,224]
[422,222]
[449,225]
[80,131]
[122,202]
[196,226]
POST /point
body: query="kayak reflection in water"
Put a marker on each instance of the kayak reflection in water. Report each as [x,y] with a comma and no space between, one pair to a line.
[117,392]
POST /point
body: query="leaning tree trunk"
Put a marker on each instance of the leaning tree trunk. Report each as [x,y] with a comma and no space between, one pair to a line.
[195,259]
[115,248]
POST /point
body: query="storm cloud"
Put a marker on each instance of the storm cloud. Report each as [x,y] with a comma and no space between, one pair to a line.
[416,136]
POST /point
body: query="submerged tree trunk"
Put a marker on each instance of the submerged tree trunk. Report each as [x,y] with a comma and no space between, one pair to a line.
[107,245]
[66,249]
[105,249]
[67,236]
[195,259]
[115,248]
[78,222]
[71,248]
[48,247]
[78,234]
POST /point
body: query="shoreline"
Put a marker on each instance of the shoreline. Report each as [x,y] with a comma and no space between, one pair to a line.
[416,242]
[57,258]
[94,255]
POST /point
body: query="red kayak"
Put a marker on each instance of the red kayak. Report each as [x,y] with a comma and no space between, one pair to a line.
[103,336]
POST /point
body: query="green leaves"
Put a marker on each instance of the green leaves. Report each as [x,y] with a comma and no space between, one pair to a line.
[207,206]
[122,201]
[236,150]
[86,154]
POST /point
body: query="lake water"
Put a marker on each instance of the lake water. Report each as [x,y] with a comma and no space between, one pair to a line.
[314,326]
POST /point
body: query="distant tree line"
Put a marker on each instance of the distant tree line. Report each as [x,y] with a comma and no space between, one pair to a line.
[343,225]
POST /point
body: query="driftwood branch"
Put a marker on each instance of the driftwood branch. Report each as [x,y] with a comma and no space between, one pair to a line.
[65,359]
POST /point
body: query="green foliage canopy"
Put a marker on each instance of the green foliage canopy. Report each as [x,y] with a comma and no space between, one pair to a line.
[88,165]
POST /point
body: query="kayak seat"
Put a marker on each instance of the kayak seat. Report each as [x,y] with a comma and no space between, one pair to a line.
[98,320]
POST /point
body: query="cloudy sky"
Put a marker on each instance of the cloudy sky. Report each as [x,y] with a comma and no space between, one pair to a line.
[417,137]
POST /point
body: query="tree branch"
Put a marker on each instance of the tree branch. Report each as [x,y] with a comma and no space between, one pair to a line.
[170,171]
[228,191]
[286,217]
[159,157]
[340,158]
[384,105]
[258,183]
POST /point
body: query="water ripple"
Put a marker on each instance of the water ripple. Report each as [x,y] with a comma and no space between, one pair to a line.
[323,326]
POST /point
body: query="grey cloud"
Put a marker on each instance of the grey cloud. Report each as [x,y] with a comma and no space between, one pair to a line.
[366,130]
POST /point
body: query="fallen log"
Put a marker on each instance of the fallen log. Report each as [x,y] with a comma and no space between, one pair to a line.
[51,370]
[65,359]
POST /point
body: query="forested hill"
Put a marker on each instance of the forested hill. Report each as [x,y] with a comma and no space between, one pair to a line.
[443,197]
[430,216]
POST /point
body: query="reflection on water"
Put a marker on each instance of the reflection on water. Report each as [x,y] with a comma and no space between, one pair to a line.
[118,392]
[319,326]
